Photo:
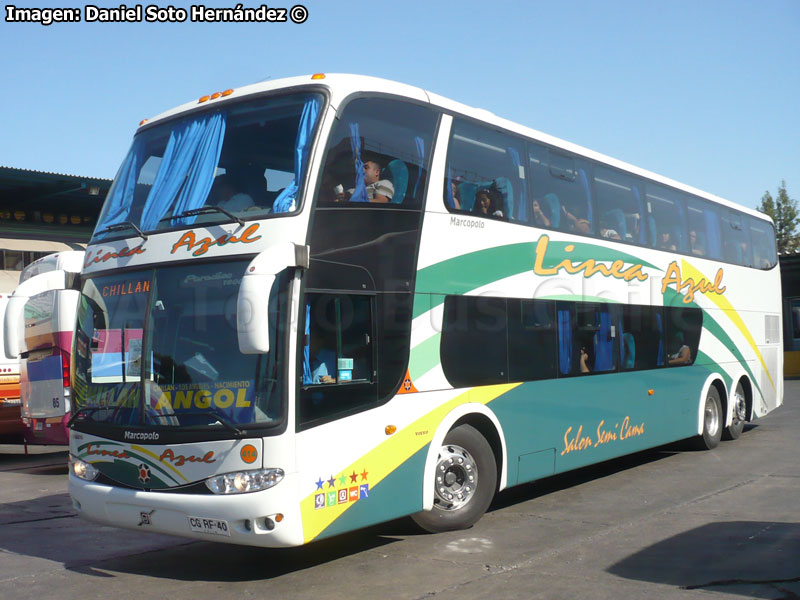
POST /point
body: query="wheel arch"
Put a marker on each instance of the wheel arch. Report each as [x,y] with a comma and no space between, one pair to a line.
[487,424]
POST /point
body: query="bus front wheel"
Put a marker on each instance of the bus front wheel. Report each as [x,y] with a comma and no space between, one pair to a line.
[465,482]
[712,421]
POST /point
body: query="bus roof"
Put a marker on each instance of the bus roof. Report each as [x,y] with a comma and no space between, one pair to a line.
[341,86]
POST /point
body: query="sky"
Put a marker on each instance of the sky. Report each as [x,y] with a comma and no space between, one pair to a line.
[706,92]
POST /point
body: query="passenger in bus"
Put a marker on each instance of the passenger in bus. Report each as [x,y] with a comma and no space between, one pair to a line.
[487,203]
[378,190]
[456,195]
[539,215]
[575,224]
[665,241]
[695,244]
[585,361]
[682,354]
[230,197]
[323,362]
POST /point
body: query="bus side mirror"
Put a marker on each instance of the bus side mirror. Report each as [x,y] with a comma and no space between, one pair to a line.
[252,305]
[14,319]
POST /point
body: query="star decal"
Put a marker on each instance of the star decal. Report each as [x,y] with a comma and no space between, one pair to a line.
[320,483]
[342,479]
[331,482]
[364,474]
[354,477]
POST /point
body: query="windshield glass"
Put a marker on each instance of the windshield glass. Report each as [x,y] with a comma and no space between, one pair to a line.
[171,332]
[245,161]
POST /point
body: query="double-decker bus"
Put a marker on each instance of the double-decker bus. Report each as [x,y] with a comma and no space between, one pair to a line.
[10,424]
[38,326]
[315,304]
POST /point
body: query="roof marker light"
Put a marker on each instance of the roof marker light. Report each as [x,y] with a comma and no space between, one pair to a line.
[142,122]
[318,76]
[226,93]
[203,99]
[216,95]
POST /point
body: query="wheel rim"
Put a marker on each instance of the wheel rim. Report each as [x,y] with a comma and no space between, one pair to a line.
[712,417]
[740,408]
[456,477]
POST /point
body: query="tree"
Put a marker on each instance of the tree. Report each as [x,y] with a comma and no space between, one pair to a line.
[784,212]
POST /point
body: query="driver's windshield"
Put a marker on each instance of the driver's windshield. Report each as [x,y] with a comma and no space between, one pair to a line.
[247,160]
[159,348]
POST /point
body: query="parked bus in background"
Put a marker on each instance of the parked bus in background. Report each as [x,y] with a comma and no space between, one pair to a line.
[315,304]
[39,324]
[10,423]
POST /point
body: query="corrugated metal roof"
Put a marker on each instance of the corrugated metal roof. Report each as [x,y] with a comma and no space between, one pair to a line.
[52,173]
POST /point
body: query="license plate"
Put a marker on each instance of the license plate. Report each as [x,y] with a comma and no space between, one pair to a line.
[212,526]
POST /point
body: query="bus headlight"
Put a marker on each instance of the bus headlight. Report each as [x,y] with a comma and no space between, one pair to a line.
[242,482]
[82,469]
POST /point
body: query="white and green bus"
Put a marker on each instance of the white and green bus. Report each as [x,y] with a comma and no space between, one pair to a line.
[315,304]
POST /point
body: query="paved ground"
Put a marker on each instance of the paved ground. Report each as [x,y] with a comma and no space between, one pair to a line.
[666,523]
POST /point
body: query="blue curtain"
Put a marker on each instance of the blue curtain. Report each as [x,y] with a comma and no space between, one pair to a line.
[120,199]
[639,203]
[286,201]
[360,191]
[186,170]
[604,345]
[306,349]
[683,243]
[521,204]
[564,342]
[420,145]
[713,233]
[660,339]
[588,190]
[450,201]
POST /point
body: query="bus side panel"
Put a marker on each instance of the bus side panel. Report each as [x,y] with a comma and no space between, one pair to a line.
[595,418]
[42,387]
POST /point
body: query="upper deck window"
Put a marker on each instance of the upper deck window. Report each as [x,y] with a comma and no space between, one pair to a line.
[378,154]
[246,161]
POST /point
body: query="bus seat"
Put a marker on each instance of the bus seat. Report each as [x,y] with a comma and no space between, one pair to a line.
[629,351]
[553,203]
[466,191]
[397,172]
[615,219]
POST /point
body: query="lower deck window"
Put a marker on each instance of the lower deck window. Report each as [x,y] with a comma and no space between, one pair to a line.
[498,340]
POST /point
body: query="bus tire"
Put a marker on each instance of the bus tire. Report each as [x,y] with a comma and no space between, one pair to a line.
[466,479]
[712,421]
[734,430]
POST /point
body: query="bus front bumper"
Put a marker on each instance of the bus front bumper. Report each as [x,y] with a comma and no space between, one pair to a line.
[247,519]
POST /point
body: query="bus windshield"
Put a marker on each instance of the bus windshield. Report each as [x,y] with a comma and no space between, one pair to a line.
[171,333]
[244,162]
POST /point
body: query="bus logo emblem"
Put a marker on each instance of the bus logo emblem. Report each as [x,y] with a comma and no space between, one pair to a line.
[319,501]
[144,474]
[144,518]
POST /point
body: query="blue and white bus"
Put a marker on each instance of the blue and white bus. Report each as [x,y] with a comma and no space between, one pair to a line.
[315,304]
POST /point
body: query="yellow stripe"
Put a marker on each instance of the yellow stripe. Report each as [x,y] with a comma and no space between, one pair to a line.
[728,309]
[389,455]
[158,460]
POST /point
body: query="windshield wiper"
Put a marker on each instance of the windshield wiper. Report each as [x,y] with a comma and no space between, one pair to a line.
[124,225]
[221,419]
[204,211]
[86,412]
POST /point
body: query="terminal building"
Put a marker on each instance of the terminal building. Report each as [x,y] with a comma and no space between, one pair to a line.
[42,213]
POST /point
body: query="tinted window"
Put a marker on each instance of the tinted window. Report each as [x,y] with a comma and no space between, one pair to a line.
[619,206]
[485,175]
[560,190]
[336,362]
[532,335]
[641,338]
[763,237]
[474,348]
[378,154]
[683,327]
[665,223]
[705,229]
[736,238]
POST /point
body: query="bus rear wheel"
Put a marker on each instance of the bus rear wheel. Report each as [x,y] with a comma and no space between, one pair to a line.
[712,421]
[734,430]
[465,482]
